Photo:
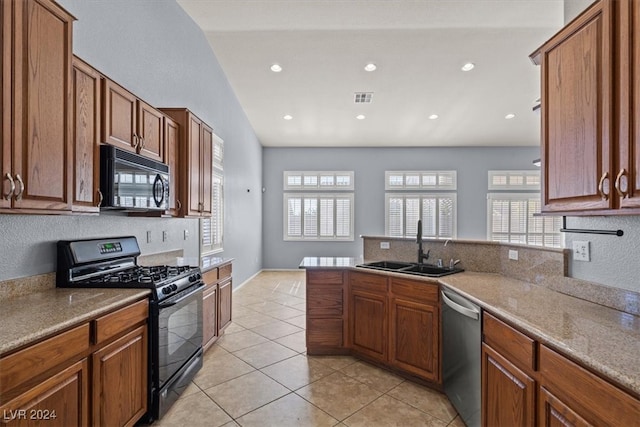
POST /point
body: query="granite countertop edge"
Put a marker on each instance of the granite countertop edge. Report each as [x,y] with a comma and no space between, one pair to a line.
[30,318]
[466,284]
[213,261]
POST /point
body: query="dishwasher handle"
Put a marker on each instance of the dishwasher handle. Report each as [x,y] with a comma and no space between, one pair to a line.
[470,312]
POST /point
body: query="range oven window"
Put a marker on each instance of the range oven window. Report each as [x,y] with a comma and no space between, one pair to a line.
[179,333]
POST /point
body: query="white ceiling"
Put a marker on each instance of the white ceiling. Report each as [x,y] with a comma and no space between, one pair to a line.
[418,47]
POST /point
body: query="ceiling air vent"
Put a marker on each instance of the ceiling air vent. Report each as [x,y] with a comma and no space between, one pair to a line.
[362,97]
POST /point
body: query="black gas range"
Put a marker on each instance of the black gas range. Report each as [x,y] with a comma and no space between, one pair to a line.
[175,319]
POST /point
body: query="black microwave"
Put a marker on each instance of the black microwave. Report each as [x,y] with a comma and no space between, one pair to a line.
[129,181]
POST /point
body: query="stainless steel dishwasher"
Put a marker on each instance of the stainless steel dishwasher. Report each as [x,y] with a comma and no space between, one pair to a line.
[461,342]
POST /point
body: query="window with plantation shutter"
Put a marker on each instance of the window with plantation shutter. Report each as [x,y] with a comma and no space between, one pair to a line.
[212,228]
[318,181]
[318,216]
[512,219]
[437,212]
[421,180]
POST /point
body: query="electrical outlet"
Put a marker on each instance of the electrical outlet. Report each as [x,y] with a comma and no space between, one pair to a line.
[148,236]
[384,245]
[581,251]
[513,254]
[165,236]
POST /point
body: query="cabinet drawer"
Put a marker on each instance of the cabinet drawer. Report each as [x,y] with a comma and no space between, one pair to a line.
[324,277]
[210,276]
[518,348]
[115,323]
[224,271]
[37,359]
[596,400]
[368,282]
[414,290]
[324,300]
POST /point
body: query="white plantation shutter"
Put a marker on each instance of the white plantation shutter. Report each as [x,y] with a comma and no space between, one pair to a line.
[318,216]
[212,228]
[314,181]
[344,217]
[437,212]
[294,216]
[511,219]
[421,180]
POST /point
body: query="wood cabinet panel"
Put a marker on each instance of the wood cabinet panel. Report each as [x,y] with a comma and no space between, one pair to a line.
[224,271]
[225,306]
[193,168]
[577,114]
[593,399]
[417,291]
[517,347]
[5,97]
[325,300]
[119,117]
[554,413]
[207,170]
[85,113]
[120,380]
[508,394]
[61,400]
[325,335]
[415,337]
[369,332]
[210,315]
[37,359]
[171,157]
[368,282]
[326,329]
[151,132]
[41,152]
[115,323]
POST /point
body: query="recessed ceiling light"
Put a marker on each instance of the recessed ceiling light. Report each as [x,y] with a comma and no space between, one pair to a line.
[370,67]
[433,117]
[287,117]
[276,68]
[509,116]
[360,117]
[468,66]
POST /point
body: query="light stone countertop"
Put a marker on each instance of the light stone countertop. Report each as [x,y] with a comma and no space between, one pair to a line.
[32,317]
[601,338]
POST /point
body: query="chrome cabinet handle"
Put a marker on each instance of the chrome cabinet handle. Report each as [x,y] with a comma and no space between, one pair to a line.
[621,181]
[135,141]
[19,195]
[604,192]
[12,185]
[179,204]
[100,199]
[141,144]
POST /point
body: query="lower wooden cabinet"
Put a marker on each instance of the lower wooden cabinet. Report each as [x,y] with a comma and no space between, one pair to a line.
[61,400]
[120,380]
[326,309]
[95,373]
[216,302]
[508,394]
[369,315]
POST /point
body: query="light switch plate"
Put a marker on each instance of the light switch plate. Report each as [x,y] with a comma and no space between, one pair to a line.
[513,254]
[581,251]
[148,236]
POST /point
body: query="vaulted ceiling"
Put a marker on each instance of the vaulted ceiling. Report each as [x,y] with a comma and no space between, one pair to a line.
[418,47]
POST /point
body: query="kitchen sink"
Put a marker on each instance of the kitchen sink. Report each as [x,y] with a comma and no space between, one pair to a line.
[428,270]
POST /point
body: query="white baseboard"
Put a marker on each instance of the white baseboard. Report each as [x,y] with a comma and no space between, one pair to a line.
[235,288]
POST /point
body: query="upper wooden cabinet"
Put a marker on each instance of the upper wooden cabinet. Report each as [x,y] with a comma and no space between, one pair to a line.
[590,78]
[171,148]
[131,124]
[86,137]
[36,142]
[195,157]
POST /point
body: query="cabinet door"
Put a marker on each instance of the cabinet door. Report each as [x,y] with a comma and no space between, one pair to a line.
[172,140]
[120,380]
[415,338]
[627,182]
[224,309]
[5,111]
[209,315]
[368,324]
[41,99]
[508,394]
[577,124]
[61,400]
[151,132]
[207,169]
[555,413]
[119,114]
[86,137]
[194,167]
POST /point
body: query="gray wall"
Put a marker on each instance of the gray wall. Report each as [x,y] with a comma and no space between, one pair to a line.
[154,49]
[369,165]
[614,260]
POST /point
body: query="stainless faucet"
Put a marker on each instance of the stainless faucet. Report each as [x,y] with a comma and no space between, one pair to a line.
[421,255]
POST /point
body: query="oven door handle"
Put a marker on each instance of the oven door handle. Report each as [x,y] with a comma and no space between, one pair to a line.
[170,304]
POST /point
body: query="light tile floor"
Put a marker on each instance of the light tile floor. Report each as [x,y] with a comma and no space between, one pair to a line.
[257,374]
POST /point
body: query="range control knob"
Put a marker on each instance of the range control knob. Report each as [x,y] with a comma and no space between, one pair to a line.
[174,287]
[193,278]
[166,290]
